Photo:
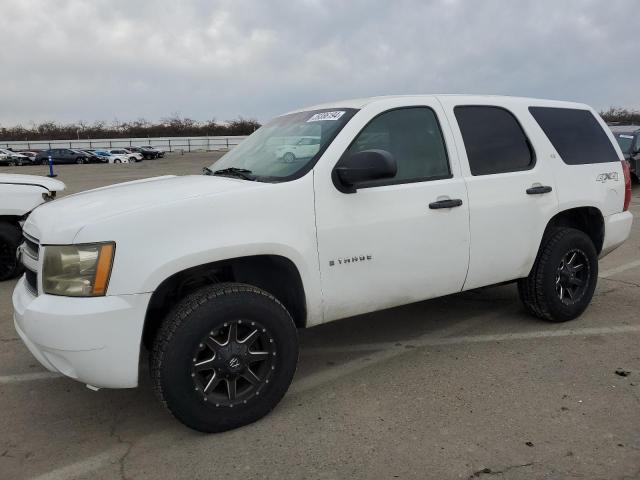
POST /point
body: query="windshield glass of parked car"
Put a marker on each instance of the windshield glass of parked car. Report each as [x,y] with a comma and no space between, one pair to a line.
[625,142]
[285,148]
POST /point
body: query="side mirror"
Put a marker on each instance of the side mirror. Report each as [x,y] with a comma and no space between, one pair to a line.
[363,167]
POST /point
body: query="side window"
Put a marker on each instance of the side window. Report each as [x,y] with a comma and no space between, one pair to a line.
[637,144]
[413,136]
[575,134]
[494,140]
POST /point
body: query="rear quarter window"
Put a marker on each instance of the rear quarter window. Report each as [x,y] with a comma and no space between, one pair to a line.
[494,140]
[575,134]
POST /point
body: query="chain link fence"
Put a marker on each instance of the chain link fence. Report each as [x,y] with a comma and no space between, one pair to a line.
[169,144]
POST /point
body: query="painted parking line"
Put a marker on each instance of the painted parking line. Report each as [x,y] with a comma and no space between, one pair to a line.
[387,353]
[86,466]
[622,268]
[28,377]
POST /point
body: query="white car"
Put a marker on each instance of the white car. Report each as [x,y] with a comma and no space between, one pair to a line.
[132,156]
[109,157]
[296,148]
[19,196]
[407,198]
[11,158]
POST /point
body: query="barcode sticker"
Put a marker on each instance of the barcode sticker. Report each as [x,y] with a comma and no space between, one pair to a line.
[321,117]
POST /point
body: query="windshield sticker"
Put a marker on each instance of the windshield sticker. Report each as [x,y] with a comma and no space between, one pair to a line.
[626,136]
[321,117]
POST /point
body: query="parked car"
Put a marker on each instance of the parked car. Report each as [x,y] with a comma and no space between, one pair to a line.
[407,198]
[19,195]
[628,137]
[11,158]
[30,155]
[301,148]
[109,157]
[132,156]
[148,152]
[92,157]
[61,155]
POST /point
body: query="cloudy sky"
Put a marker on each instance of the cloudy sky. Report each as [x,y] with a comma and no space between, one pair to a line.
[71,60]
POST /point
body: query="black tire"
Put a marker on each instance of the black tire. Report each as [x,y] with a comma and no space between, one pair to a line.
[546,292]
[44,161]
[204,316]
[10,238]
[117,160]
[11,163]
[79,160]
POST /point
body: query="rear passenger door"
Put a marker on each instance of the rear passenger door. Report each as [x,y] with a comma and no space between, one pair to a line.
[511,188]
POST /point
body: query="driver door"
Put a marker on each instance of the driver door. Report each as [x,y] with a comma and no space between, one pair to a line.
[388,243]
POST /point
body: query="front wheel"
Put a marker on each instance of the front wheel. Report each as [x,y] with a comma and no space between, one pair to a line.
[79,160]
[563,278]
[10,237]
[224,357]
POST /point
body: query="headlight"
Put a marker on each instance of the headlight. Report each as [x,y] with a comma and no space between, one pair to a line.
[77,270]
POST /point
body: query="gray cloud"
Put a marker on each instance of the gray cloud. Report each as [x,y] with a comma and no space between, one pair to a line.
[106,59]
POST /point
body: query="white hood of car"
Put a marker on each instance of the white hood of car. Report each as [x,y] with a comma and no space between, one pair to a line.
[59,221]
[50,184]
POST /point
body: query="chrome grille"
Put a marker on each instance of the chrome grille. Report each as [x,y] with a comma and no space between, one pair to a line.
[31,246]
[30,255]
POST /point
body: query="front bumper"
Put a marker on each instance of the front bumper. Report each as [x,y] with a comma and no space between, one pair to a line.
[92,340]
[617,228]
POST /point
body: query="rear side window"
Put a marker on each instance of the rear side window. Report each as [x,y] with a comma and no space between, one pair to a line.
[494,140]
[575,134]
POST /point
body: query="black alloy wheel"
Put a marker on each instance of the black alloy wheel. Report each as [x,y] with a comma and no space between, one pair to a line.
[233,363]
[572,276]
[224,356]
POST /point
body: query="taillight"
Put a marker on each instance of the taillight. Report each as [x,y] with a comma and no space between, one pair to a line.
[627,185]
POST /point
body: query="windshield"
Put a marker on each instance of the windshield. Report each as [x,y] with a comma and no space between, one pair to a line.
[287,146]
[625,142]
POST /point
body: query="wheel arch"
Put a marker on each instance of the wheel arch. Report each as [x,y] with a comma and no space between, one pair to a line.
[275,274]
[587,219]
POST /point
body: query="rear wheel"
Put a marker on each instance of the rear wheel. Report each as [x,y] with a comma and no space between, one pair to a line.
[117,160]
[10,237]
[224,357]
[563,278]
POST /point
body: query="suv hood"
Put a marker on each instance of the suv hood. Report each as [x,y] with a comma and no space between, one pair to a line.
[48,183]
[59,221]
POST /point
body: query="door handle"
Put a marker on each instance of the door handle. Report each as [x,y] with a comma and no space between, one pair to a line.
[449,203]
[539,190]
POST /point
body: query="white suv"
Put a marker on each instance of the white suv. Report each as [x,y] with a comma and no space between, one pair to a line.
[407,198]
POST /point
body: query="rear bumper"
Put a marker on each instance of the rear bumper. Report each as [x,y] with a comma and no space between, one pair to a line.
[92,340]
[617,228]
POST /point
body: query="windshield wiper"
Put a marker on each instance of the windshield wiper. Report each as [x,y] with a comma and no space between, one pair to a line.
[234,172]
[207,171]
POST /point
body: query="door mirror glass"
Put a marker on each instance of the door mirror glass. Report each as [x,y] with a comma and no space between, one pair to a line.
[365,166]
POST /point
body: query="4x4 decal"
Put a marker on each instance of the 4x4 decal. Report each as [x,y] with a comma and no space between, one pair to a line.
[603,177]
